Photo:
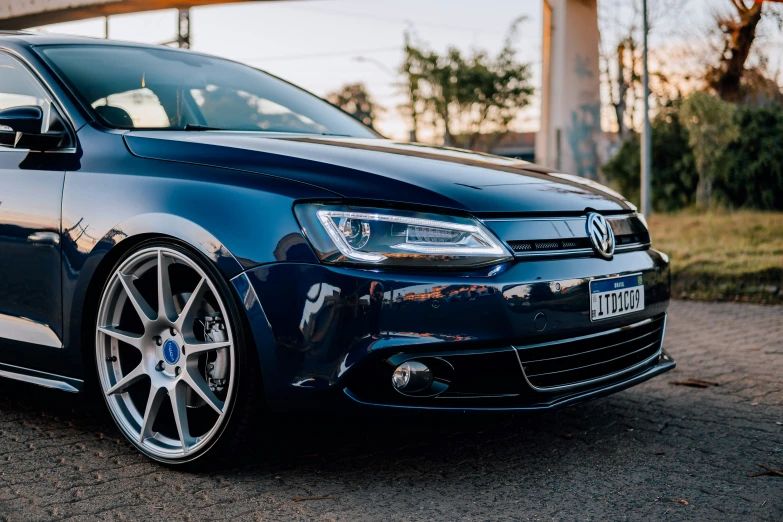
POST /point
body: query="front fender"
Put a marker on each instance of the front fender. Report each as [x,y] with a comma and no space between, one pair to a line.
[177,227]
[95,265]
[237,220]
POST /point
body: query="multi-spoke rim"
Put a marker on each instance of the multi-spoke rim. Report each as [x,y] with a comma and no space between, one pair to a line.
[170,380]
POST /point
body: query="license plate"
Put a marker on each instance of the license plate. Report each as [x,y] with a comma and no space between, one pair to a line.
[616,296]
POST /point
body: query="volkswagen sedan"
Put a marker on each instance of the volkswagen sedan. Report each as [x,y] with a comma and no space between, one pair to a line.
[203,243]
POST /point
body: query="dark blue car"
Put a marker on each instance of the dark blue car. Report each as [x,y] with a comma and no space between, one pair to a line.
[204,244]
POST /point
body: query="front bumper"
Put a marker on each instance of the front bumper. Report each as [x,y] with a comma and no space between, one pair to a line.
[501,337]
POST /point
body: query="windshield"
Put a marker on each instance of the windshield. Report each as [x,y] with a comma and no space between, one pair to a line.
[143,88]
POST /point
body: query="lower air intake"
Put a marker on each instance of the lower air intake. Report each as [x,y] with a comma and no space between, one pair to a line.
[576,362]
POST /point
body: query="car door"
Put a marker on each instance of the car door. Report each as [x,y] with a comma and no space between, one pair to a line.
[31,186]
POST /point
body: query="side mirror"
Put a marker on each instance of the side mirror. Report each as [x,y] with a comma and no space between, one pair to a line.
[34,128]
[26,119]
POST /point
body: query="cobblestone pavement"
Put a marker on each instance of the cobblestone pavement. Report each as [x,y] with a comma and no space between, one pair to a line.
[657,451]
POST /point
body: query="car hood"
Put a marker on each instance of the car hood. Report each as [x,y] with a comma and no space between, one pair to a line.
[385,170]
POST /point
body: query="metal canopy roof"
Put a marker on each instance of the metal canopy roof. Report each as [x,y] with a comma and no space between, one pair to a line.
[20,14]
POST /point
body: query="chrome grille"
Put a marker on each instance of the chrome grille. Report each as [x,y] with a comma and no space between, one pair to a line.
[521,246]
[549,246]
[580,361]
[530,237]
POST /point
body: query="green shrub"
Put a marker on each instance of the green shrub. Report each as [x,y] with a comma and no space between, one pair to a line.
[747,172]
[674,177]
[751,173]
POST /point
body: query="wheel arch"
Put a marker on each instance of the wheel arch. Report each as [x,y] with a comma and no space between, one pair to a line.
[121,239]
[165,225]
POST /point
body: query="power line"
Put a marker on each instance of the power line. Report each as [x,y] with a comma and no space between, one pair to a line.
[394,21]
[308,56]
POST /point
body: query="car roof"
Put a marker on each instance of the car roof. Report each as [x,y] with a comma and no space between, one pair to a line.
[34,39]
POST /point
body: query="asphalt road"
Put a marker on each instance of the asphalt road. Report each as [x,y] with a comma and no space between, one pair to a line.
[657,451]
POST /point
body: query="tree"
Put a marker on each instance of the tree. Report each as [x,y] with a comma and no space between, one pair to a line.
[621,58]
[738,34]
[625,81]
[466,96]
[355,100]
[711,128]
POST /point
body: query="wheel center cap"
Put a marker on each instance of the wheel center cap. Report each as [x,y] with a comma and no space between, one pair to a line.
[171,352]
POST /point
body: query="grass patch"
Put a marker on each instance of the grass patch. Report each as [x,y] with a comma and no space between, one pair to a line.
[723,255]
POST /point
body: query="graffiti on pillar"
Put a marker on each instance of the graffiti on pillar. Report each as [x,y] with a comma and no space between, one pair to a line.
[585,126]
[583,69]
[583,139]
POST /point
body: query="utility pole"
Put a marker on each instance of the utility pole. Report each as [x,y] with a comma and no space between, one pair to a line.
[106,27]
[413,138]
[647,129]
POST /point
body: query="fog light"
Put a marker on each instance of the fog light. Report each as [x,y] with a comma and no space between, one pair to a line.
[412,377]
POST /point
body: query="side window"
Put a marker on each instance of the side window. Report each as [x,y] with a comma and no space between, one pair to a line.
[18,86]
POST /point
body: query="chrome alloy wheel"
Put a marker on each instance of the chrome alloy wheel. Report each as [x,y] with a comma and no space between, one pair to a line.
[165,354]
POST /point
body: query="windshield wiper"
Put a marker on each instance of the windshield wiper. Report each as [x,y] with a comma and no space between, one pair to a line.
[192,127]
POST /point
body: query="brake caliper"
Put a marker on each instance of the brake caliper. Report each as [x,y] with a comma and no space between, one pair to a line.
[216,370]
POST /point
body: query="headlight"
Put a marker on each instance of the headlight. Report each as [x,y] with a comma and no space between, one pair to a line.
[400,238]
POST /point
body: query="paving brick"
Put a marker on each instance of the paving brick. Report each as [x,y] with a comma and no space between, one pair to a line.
[652,452]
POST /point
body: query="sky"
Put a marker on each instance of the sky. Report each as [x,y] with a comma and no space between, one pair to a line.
[321,45]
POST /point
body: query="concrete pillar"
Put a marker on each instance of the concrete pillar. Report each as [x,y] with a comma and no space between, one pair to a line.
[183,29]
[570,94]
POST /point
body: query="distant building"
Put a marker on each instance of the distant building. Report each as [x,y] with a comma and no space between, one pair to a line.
[522,145]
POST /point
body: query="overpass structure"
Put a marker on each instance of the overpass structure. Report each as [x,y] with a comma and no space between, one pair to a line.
[21,14]
[570,133]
